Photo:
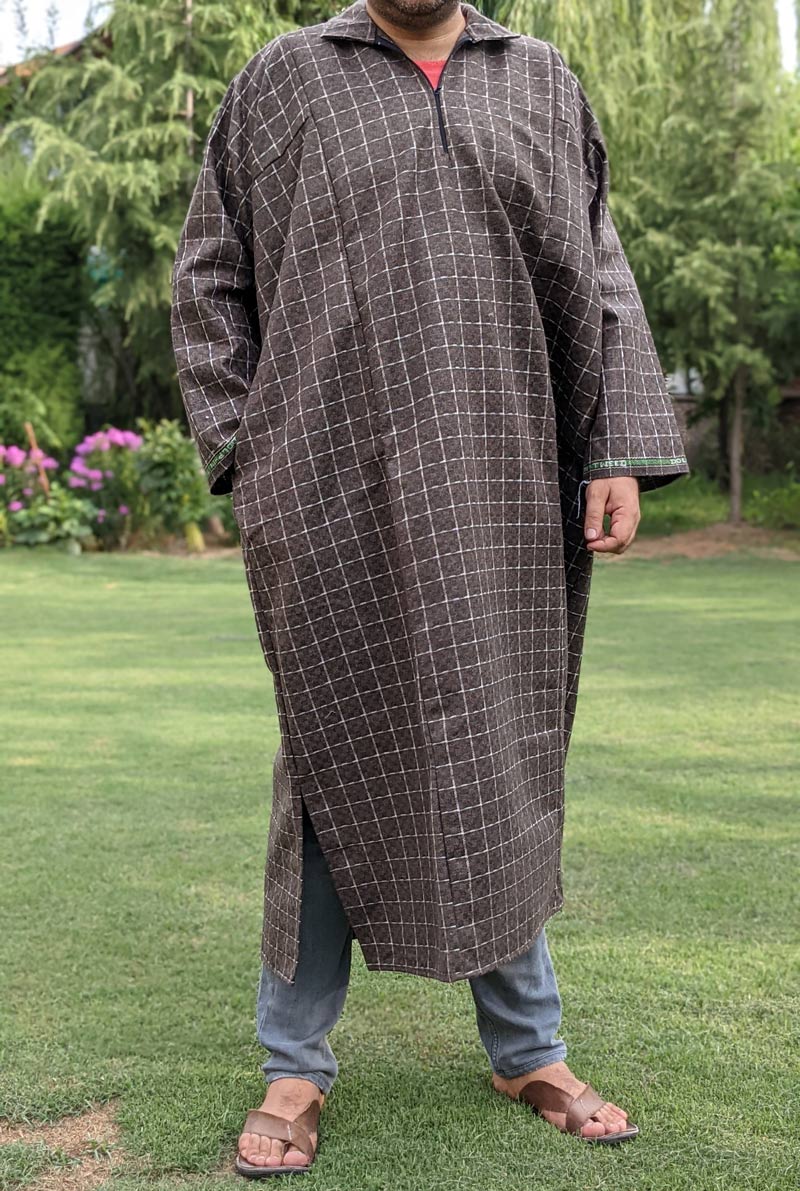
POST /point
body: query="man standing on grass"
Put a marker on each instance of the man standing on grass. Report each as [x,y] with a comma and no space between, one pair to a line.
[409,342]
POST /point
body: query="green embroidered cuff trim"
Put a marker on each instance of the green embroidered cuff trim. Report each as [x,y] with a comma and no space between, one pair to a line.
[642,461]
[220,454]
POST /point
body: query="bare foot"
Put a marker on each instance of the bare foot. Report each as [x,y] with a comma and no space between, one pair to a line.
[608,1119]
[286,1098]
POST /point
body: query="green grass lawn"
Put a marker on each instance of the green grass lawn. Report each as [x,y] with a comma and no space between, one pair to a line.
[138,729]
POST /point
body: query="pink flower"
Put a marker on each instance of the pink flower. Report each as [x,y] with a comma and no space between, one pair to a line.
[109,473]
[27,491]
[49,462]
[79,465]
[124,510]
[101,515]
[2,478]
[95,487]
[15,457]
[15,506]
[76,482]
[93,442]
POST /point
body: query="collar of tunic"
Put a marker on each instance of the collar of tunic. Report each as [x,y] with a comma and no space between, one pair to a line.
[355,24]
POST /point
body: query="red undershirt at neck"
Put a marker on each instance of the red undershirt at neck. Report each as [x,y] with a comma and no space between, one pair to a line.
[433,69]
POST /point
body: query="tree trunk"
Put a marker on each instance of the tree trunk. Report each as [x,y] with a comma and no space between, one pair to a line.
[193,536]
[736,444]
[215,526]
[189,90]
[723,434]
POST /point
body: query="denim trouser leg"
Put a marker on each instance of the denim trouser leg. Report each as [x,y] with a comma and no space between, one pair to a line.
[294,1020]
[518,1010]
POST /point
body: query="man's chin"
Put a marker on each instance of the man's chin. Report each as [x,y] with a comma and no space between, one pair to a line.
[415,14]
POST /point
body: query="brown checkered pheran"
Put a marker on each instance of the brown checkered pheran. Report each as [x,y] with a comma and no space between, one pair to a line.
[406,336]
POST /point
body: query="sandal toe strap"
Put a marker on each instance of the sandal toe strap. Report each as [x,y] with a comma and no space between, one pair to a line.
[584,1106]
[268,1124]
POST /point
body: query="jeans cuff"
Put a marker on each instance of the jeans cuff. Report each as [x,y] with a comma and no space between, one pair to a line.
[556,1054]
[323,1083]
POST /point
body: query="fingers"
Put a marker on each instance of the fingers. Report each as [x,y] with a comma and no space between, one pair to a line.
[619,536]
[596,496]
[619,498]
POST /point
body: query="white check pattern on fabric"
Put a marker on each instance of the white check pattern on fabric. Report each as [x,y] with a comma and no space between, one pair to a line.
[406,356]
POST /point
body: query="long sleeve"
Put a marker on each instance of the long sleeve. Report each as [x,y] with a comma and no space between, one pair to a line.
[214,322]
[635,431]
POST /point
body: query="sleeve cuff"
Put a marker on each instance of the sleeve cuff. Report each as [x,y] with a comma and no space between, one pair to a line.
[652,471]
[219,469]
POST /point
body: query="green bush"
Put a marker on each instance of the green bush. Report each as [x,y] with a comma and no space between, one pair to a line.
[44,291]
[696,501]
[41,387]
[690,502]
[777,507]
[171,479]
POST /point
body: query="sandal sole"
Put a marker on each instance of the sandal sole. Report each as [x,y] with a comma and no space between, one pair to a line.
[250,1171]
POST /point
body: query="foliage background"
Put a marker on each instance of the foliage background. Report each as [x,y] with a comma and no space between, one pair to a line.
[43,289]
[701,120]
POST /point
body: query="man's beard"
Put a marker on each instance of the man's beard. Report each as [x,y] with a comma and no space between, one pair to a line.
[415,15]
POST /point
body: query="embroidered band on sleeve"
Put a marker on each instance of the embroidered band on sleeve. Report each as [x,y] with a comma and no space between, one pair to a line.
[642,461]
[220,454]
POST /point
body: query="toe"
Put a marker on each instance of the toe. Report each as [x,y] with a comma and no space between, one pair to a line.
[276,1149]
[266,1152]
[611,1119]
[593,1128]
[254,1148]
[249,1146]
[295,1158]
[616,1121]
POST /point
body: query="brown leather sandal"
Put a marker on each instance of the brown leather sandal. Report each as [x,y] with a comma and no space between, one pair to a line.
[298,1132]
[540,1094]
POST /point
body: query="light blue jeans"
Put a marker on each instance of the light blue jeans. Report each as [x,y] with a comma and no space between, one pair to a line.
[517,1006]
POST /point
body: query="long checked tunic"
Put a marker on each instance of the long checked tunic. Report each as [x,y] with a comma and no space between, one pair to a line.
[407,336]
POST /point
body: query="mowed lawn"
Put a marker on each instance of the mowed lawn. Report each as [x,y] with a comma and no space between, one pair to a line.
[138,729]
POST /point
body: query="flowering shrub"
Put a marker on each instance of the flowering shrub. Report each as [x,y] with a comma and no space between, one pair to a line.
[120,485]
[20,484]
[61,517]
[104,467]
[19,473]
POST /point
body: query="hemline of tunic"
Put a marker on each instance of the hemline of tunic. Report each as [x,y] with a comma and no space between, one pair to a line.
[375,961]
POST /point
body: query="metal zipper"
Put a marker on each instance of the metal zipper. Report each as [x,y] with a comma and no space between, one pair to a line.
[382,39]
